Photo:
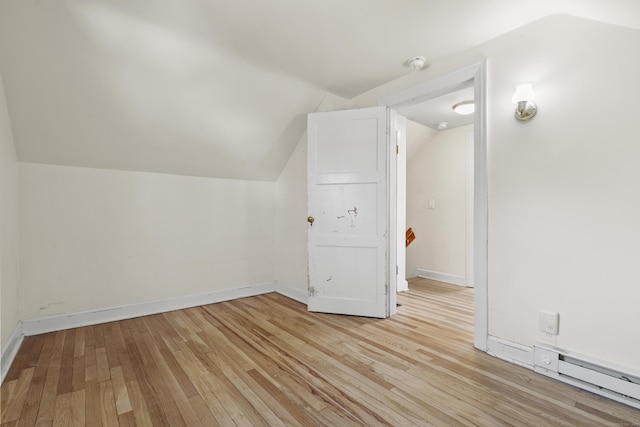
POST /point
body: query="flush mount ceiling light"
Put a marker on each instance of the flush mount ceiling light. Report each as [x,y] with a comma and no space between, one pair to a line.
[417,62]
[464,108]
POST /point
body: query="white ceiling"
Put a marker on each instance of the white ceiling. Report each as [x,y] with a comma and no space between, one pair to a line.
[430,113]
[221,88]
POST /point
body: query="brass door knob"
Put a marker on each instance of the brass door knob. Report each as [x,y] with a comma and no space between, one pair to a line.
[310,220]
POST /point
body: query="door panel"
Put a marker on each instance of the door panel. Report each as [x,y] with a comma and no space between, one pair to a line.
[346,145]
[347,209]
[347,272]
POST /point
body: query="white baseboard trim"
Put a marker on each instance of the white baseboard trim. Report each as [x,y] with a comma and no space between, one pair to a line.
[403,285]
[442,277]
[295,294]
[511,352]
[10,349]
[92,317]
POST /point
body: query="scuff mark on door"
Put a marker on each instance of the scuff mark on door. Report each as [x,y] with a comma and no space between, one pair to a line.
[353,213]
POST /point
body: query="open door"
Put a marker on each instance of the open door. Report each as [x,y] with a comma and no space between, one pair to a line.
[352,230]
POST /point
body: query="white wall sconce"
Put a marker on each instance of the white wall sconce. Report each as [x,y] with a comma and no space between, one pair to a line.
[523,98]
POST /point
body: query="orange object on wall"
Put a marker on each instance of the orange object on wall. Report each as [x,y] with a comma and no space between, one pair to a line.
[410,237]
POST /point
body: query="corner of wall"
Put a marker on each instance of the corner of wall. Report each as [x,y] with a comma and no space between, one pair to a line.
[9,225]
[10,350]
[295,294]
[291,211]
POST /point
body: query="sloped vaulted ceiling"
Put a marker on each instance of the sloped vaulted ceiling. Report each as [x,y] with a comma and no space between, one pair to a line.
[221,88]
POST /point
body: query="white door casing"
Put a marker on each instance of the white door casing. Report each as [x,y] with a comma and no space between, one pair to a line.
[476,73]
[401,204]
[470,216]
[351,206]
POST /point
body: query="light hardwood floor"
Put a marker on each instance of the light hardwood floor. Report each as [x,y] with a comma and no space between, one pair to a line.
[266,361]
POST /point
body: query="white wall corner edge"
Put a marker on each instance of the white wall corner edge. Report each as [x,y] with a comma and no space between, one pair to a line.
[10,350]
[512,352]
[441,277]
[294,294]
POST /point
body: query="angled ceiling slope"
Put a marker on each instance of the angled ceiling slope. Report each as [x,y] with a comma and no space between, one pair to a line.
[218,88]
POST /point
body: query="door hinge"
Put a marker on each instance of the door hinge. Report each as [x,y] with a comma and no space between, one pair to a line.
[397,150]
[396,270]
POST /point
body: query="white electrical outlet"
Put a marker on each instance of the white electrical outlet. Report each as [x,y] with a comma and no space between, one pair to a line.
[432,203]
[548,322]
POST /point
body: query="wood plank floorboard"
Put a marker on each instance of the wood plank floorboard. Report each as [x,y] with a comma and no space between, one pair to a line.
[266,361]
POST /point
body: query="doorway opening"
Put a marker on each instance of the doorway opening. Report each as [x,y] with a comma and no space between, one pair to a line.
[474,77]
[439,187]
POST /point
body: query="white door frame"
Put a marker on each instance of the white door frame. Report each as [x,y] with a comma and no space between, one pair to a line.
[401,205]
[476,73]
[469,202]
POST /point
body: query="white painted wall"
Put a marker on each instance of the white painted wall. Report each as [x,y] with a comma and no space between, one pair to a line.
[291,221]
[94,238]
[8,226]
[564,202]
[563,189]
[437,171]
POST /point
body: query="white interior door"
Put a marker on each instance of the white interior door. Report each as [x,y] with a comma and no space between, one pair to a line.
[352,221]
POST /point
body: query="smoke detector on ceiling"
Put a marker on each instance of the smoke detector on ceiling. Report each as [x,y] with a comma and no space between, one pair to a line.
[417,62]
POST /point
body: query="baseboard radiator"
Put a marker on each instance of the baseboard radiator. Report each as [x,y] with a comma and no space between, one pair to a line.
[590,375]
